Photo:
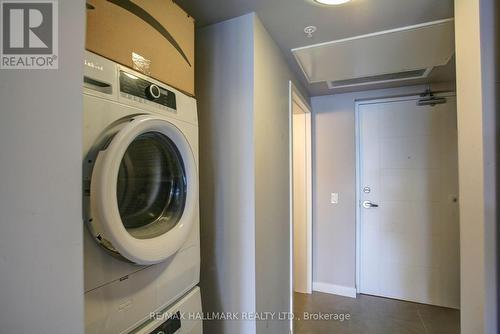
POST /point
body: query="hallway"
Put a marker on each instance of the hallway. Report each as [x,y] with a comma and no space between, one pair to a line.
[373,315]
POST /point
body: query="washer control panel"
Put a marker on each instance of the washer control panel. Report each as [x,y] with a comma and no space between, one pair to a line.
[141,90]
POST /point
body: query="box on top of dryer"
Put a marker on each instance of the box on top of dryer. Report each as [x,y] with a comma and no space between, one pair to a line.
[155,37]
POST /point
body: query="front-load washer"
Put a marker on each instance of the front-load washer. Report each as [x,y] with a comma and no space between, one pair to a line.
[181,318]
[141,208]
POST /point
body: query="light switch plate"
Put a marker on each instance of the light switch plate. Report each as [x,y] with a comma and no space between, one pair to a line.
[334,199]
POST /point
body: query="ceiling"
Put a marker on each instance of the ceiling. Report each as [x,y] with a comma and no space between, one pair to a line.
[285,21]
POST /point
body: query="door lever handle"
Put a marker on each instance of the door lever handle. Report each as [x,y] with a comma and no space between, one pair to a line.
[369,204]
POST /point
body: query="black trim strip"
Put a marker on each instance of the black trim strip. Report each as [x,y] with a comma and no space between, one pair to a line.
[146,17]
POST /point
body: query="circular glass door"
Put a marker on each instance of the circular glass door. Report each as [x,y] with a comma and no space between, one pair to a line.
[151,186]
[144,190]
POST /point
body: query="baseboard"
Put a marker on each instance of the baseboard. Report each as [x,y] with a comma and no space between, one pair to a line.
[334,289]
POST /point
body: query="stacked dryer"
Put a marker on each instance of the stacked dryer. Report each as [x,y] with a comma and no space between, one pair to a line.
[142,252]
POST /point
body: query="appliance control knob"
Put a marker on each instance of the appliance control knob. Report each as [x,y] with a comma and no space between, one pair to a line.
[153,92]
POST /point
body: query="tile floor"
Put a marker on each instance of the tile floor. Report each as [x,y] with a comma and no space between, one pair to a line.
[373,315]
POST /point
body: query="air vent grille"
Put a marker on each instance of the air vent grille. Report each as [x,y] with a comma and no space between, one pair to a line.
[383,78]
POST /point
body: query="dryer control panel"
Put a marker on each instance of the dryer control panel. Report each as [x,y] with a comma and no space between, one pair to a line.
[142,90]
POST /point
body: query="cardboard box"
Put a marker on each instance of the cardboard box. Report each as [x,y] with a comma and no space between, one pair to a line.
[155,37]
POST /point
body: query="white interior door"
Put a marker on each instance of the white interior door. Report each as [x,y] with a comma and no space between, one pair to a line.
[409,244]
[302,203]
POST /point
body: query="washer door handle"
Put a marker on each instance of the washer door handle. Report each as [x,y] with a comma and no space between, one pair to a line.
[369,205]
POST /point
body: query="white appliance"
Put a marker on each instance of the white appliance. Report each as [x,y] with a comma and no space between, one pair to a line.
[142,252]
[181,318]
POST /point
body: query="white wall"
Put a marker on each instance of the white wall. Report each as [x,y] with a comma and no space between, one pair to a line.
[242,90]
[475,42]
[41,231]
[224,88]
[300,239]
[334,170]
[272,178]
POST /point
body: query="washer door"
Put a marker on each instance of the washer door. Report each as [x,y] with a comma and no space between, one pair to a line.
[144,190]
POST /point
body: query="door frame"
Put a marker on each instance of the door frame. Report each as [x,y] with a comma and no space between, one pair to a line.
[358,104]
[296,96]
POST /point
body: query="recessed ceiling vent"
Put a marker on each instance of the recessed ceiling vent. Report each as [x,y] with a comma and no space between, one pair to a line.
[383,78]
[391,55]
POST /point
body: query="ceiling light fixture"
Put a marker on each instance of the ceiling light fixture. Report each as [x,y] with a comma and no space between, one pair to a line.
[331,2]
